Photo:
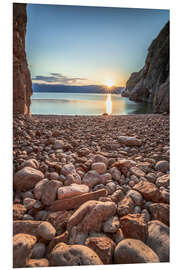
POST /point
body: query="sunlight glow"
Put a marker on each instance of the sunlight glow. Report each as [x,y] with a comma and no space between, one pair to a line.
[108,104]
[109,83]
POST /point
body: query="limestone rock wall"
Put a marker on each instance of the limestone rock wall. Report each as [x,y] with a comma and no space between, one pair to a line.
[22,85]
[151,83]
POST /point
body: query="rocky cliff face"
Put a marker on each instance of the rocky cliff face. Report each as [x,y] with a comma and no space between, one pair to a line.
[22,85]
[151,83]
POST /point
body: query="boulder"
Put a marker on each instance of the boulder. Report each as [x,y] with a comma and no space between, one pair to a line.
[111,225]
[103,246]
[38,263]
[49,193]
[91,215]
[158,239]
[162,166]
[129,141]
[134,226]
[135,196]
[18,211]
[163,181]
[26,178]
[91,178]
[33,163]
[46,230]
[125,207]
[39,188]
[160,211]
[72,190]
[71,255]
[22,247]
[137,172]
[38,251]
[116,174]
[99,167]
[68,169]
[134,251]
[149,191]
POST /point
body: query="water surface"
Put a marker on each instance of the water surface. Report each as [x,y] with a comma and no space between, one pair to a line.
[85,104]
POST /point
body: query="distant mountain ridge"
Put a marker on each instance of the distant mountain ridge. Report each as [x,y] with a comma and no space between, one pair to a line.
[59,88]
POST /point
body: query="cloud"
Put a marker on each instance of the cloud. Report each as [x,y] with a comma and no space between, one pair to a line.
[58,78]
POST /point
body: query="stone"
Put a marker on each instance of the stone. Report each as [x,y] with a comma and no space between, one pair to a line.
[121,163]
[28,194]
[129,141]
[160,211]
[125,207]
[38,251]
[116,174]
[117,196]
[134,251]
[149,190]
[158,239]
[59,144]
[111,187]
[105,178]
[33,163]
[63,238]
[25,226]
[165,196]
[18,211]
[26,179]
[76,201]
[135,196]
[59,220]
[29,203]
[100,158]
[111,225]
[91,178]
[103,246]
[162,166]
[137,210]
[163,181]
[72,190]
[99,167]
[118,236]
[38,263]
[72,255]
[22,247]
[151,177]
[39,188]
[68,169]
[50,192]
[76,237]
[137,172]
[46,230]
[72,178]
[91,215]
[134,226]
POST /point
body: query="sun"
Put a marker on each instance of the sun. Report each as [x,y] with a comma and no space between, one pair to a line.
[109,83]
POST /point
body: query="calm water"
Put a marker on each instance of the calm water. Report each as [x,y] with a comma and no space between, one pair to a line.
[85,104]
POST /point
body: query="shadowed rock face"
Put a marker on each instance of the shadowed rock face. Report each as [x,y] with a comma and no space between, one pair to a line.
[151,83]
[22,85]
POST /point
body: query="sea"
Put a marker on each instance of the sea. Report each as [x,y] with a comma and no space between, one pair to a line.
[85,104]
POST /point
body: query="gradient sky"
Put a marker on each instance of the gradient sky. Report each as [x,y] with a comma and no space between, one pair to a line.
[89,45]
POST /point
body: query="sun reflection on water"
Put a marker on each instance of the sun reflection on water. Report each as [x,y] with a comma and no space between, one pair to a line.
[108,104]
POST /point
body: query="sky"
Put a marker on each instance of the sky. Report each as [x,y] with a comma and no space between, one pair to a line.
[76,45]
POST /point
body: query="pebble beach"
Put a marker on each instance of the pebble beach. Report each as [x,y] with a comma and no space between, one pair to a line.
[90,190]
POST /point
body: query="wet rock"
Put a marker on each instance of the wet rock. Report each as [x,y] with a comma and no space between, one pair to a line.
[71,255]
[111,225]
[91,215]
[134,251]
[134,226]
[22,247]
[148,190]
[103,246]
[27,178]
[18,211]
[125,207]
[162,166]
[91,178]
[129,141]
[160,211]
[158,239]
[72,190]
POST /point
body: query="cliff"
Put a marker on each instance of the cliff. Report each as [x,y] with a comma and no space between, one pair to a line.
[22,85]
[151,83]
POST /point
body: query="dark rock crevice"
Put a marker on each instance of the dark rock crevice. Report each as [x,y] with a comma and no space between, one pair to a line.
[151,83]
[22,85]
